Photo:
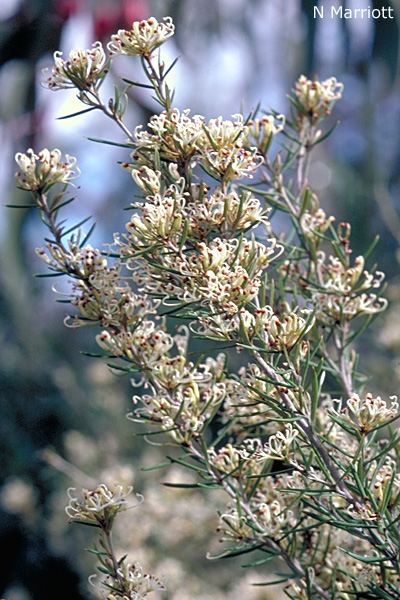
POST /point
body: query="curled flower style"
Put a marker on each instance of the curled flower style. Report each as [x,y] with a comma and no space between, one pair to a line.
[224,153]
[317,97]
[367,413]
[176,135]
[278,446]
[147,179]
[143,38]
[136,583]
[227,460]
[98,507]
[38,172]
[182,400]
[281,332]
[348,290]
[98,290]
[84,70]
[144,345]
[314,224]
[218,210]
[160,220]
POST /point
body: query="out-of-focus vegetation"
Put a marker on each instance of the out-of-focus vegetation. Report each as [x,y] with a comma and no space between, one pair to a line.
[62,416]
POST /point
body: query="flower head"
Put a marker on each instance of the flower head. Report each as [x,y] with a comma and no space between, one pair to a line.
[261,131]
[43,170]
[278,446]
[369,412]
[83,70]
[97,507]
[317,97]
[143,38]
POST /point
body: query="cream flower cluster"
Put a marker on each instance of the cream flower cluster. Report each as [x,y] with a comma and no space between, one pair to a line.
[281,332]
[347,289]
[224,150]
[143,38]
[98,290]
[175,135]
[278,446]
[220,273]
[219,210]
[220,145]
[83,70]
[135,583]
[183,398]
[38,172]
[162,217]
[317,97]
[261,131]
[314,224]
[99,506]
[278,333]
[367,413]
[143,345]
[269,509]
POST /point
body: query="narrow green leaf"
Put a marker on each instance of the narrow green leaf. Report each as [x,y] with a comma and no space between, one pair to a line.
[76,114]
[74,227]
[262,561]
[109,143]
[234,552]
[21,205]
[137,83]
[87,236]
[157,466]
[274,582]
[49,274]
[98,526]
[366,559]
[327,134]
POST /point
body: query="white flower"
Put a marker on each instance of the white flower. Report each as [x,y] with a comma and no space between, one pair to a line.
[277,447]
[143,38]
[97,507]
[147,179]
[315,223]
[367,413]
[43,170]
[83,70]
[261,131]
[317,97]
[137,582]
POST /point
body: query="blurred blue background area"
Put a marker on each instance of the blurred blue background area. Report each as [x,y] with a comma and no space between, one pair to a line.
[59,410]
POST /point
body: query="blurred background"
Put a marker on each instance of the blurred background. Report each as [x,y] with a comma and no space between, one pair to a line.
[62,415]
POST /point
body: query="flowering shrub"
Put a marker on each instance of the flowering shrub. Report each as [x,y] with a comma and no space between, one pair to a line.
[306,457]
